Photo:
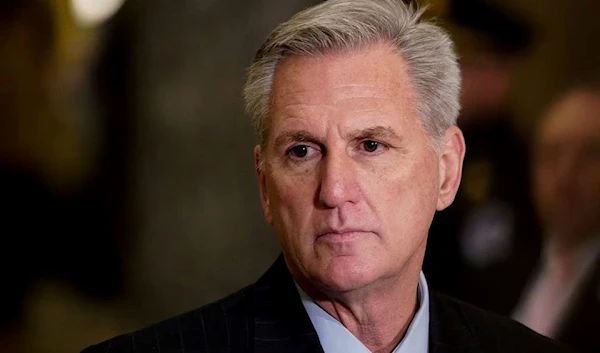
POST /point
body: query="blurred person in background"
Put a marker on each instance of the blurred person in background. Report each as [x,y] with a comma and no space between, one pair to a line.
[562,299]
[60,261]
[480,245]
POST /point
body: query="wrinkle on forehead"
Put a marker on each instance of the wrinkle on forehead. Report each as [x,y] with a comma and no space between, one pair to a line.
[338,93]
[296,77]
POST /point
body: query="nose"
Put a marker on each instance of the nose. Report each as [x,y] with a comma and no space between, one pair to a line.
[338,181]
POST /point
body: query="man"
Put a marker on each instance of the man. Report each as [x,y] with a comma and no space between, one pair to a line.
[563,298]
[478,248]
[355,104]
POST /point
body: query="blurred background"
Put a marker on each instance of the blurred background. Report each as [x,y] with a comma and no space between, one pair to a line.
[127,179]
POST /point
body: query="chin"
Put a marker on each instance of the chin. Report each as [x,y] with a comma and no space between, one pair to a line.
[342,274]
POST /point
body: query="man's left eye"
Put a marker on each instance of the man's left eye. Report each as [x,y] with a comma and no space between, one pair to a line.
[370,145]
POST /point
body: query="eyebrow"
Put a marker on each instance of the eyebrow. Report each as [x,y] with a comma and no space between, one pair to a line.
[295,136]
[375,132]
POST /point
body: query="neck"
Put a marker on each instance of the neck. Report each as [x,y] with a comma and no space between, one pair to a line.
[378,315]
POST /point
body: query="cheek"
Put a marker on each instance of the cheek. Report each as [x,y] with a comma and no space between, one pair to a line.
[424,181]
[292,198]
[407,201]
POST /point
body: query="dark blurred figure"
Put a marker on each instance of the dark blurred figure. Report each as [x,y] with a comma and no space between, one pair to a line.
[73,233]
[562,299]
[480,245]
[26,35]
[27,213]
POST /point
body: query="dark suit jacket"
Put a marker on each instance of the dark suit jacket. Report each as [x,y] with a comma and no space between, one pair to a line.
[268,316]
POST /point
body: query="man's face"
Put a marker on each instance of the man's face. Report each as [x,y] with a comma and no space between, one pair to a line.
[349,179]
[567,165]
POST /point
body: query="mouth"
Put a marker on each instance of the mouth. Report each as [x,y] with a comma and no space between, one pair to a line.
[341,236]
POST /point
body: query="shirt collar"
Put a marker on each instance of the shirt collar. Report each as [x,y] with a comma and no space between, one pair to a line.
[334,337]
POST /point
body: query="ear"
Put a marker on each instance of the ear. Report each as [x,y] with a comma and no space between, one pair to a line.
[451,159]
[262,184]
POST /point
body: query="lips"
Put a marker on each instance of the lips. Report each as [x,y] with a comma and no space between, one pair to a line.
[341,235]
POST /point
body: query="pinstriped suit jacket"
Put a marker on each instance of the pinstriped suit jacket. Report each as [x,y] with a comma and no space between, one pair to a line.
[268,316]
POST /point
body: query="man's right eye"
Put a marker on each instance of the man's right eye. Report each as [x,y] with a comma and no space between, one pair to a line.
[303,152]
[299,151]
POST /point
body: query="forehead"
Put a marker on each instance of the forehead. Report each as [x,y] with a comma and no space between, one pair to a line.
[376,71]
[576,118]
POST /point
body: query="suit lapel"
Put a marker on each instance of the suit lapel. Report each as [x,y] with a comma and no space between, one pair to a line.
[449,331]
[281,324]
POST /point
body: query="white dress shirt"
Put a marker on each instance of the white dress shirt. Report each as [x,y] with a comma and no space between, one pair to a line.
[547,300]
[336,338]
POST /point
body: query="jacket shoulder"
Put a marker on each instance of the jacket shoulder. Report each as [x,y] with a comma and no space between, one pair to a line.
[223,325]
[493,332]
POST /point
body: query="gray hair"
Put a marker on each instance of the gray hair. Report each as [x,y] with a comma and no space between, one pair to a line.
[351,24]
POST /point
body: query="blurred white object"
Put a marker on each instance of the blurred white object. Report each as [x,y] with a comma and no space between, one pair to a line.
[488,236]
[94,12]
